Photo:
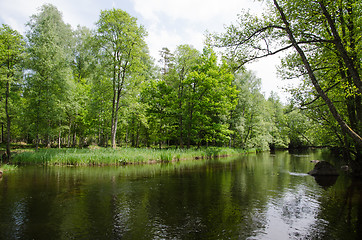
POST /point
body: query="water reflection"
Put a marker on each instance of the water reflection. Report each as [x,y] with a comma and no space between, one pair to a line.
[326,181]
[291,215]
[251,197]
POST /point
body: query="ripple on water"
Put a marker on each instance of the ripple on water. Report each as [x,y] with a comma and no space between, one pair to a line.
[291,215]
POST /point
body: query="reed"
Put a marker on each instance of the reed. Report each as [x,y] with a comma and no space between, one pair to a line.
[119,156]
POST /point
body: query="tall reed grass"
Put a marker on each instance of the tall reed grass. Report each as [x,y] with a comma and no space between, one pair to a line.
[119,156]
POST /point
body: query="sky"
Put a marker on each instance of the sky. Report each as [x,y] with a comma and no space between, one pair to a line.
[169,23]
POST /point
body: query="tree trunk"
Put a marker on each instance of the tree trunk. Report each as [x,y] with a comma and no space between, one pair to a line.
[74,137]
[113,133]
[2,132]
[69,133]
[181,144]
[126,138]
[8,121]
[147,138]
[138,135]
[189,131]
[59,136]
[115,122]
[37,142]
[344,126]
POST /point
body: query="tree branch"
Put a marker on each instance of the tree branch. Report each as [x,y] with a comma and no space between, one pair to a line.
[347,129]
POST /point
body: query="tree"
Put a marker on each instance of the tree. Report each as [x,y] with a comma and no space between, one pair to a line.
[11,54]
[83,66]
[279,122]
[47,83]
[185,58]
[286,27]
[209,97]
[158,97]
[250,120]
[339,47]
[122,45]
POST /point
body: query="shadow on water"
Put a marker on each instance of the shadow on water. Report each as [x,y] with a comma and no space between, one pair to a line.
[342,210]
[326,181]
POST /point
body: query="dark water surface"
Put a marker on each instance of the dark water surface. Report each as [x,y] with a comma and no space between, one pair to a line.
[258,196]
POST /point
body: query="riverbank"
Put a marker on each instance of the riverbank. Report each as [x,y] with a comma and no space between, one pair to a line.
[7,168]
[96,156]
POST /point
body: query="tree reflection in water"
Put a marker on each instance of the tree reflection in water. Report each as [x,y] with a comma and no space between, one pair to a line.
[258,196]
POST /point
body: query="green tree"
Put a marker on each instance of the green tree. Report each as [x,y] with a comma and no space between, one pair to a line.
[77,102]
[331,44]
[250,120]
[209,97]
[185,59]
[279,130]
[99,107]
[11,54]
[121,42]
[158,97]
[47,85]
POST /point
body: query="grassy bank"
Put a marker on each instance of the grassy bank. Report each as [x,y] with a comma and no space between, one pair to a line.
[7,168]
[119,156]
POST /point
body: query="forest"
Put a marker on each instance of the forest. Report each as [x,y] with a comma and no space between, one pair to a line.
[62,87]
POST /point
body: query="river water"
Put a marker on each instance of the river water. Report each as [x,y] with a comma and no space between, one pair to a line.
[256,196]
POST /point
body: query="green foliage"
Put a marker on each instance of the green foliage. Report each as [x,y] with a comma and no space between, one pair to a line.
[48,80]
[122,49]
[118,156]
[11,56]
[326,59]
[101,88]
[8,168]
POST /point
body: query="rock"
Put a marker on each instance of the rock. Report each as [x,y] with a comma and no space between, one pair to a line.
[323,168]
[345,168]
[314,161]
[1,173]
[325,181]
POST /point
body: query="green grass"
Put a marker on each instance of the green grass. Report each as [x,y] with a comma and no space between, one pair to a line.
[8,168]
[119,156]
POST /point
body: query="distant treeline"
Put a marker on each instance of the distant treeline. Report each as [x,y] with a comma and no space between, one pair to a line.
[62,87]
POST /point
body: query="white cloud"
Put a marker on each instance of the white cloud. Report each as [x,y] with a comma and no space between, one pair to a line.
[174,22]
[17,13]
[155,43]
[194,10]
[186,20]
[14,10]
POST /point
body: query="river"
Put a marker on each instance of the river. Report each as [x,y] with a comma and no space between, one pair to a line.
[255,196]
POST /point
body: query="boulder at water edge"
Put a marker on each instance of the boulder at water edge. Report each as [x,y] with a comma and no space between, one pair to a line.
[323,168]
